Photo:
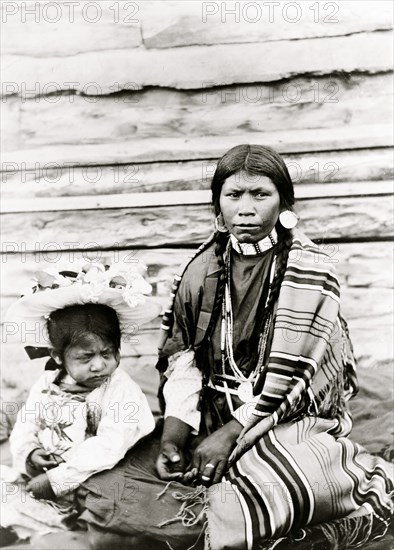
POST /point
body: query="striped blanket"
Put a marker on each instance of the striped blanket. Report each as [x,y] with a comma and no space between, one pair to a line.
[296,475]
[311,362]
[293,465]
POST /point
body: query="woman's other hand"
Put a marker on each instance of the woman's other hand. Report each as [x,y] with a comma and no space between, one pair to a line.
[211,456]
[41,487]
[170,463]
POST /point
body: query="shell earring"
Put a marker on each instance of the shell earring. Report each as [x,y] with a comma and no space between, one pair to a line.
[220,225]
[288,219]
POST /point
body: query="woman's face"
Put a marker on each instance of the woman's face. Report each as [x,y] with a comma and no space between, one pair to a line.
[90,362]
[250,206]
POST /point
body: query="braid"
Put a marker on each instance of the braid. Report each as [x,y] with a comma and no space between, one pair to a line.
[221,243]
[285,240]
[202,352]
[168,315]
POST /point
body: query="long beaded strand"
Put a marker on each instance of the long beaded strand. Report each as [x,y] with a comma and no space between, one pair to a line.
[227,325]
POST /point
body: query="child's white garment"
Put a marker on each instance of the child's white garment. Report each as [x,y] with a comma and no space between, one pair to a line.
[90,430]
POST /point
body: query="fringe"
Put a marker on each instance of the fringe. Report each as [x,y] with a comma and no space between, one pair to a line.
[163,492]
[332,398]
[331,401]
[186,515]
[342,534]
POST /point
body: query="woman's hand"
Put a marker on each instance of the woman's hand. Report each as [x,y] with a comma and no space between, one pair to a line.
[171,462]
[41,487]
[211,456]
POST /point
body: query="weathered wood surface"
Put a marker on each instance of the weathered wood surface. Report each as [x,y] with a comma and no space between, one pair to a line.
[333,218]
[365,271]
[43,29]
[46,30]
[368,309]
[327,167]
[322,97]
[210,147]
[98,73]
[366,265]
[176,198]
[364,328]
[299,103]
[372,334]
[218,23]
[372,337]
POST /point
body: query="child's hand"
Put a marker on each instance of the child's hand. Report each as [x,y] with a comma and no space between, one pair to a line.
[41,487]
[42,461]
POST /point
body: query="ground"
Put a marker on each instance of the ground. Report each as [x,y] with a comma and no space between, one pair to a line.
[373,428]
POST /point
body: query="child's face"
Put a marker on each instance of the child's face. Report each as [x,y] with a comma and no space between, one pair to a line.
[92,362]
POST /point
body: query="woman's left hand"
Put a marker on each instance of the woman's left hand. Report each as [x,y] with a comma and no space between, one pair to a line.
[211,456]
[41,487]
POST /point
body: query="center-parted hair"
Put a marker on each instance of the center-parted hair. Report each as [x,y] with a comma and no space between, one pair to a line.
[71,325]
[256,160]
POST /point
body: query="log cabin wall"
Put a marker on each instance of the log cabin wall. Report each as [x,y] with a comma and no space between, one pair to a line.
[114,114]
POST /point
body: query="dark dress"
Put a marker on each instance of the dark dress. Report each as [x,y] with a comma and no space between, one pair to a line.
[300,471]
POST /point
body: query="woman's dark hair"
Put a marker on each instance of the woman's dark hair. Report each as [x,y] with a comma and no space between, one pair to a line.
[70,326]
[256,160]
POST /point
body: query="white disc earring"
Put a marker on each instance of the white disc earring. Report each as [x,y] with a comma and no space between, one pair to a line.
[220,225]
[288,219]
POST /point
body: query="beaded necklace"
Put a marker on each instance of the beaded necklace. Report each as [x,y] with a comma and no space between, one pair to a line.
[246,383]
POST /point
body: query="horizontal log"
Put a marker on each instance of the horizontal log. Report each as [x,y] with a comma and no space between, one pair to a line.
[372,338]
[364,332]
[173,149]
[364,217]
[175,198]
[363,265]
[10,137]
[299,103]
[221,23]
[359,321]
[341,218]
[359,265]
[372,335]
[309,168]
[362,303]
[43,29]
[356,303]
[195,67]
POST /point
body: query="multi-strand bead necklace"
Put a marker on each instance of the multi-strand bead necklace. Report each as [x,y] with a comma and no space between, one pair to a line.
[246,383]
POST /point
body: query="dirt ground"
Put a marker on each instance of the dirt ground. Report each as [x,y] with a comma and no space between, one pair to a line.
[373,428]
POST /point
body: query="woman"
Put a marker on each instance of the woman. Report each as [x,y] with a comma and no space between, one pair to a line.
[257,368]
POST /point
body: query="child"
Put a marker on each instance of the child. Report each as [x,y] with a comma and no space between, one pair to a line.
[82,417]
